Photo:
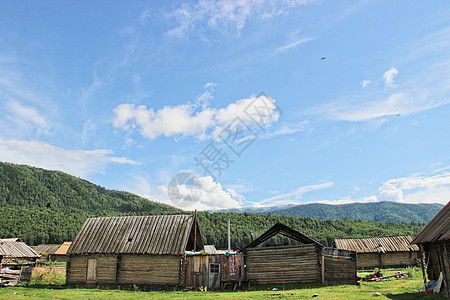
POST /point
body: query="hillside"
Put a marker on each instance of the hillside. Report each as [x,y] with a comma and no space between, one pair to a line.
[376,211]
[55,191]
[42,206]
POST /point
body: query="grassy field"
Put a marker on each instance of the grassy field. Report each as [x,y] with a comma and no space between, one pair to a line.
[43,287]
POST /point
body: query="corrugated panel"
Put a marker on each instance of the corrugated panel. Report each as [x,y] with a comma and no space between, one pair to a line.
[134,235]
[46,248]
[17,250]
[377,244]
[62,250]
[11,240]
[210,249]
[438,229]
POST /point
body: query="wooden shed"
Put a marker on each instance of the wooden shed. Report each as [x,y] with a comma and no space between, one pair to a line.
[137,250]
[381,252]
[434,240]
[17,260]
[308,261]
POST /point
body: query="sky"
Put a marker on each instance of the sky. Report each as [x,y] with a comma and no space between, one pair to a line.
[226,104]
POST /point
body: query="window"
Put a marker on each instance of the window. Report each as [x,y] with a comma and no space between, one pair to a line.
[214,268]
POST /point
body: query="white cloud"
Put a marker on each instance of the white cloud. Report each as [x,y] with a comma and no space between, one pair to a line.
[389,77]
[365,83]
[226,16]
[404,103]
[210,196]
[291,197]
[417,189]
[294,44]
[26,116]
[75,162]
[192,120]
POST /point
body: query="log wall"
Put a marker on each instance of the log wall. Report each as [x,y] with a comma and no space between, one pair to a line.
[150,269]
[338,266]
[106,268]
[286,264]
[388,259]
[127,269]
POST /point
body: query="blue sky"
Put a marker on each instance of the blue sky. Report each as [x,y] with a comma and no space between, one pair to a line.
[129,94]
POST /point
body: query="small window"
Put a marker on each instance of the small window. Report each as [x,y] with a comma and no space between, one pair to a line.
[214,268]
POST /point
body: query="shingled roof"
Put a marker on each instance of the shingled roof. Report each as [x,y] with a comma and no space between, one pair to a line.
[136,235]
[384,244]
[438,230]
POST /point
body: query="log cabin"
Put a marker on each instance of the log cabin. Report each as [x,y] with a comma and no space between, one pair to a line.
[141,250]
[434,241]
[381,252]
[307,261]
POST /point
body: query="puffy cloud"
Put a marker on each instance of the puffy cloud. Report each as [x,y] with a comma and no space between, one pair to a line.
[202,193]
[192,120]
[418,189]
[388,77]
[75,162]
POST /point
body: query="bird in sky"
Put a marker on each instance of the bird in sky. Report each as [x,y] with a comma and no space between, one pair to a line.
[322,58]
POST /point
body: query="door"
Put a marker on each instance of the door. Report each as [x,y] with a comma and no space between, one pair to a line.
[91,270]
[214,276]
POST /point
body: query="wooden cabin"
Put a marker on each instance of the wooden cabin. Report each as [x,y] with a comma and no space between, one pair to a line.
[434,240]
[17,260]
[307,261]
[381,252]
[141,250]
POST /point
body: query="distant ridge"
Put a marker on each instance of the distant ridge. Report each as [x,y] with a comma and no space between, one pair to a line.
[374,211]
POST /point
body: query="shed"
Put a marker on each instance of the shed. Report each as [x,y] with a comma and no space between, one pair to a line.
[308,261]
[12,260]
[381,252]
[53,252]
[434,240]
[146,250]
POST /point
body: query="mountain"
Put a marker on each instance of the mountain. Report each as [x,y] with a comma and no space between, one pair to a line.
[375,211]
[55,191]
[255,210]
[42,206]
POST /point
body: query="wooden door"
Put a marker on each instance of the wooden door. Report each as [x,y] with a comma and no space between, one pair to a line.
[91,270]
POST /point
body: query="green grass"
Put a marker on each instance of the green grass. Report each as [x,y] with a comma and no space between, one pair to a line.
[390,289]
[49,284]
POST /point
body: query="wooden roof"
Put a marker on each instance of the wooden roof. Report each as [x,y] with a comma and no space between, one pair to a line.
[11,240]
[282,229]
[384,244]
[16,250]
[62,250]
[438,230]
[136,235]
[46,248]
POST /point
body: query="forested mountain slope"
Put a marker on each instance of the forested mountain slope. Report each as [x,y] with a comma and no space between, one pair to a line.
[42,206]
[375,211]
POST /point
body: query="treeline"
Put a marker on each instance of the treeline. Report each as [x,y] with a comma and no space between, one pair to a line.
[37,226]
[42,206]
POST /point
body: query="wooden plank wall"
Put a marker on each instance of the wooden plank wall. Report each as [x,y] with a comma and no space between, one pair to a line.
[199,264]
[149,269]
[339,270]
[106,268]
[389,259]
[286,264]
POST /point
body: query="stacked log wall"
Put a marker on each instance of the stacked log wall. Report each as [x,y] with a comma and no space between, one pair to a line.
[287,264]
[150,269]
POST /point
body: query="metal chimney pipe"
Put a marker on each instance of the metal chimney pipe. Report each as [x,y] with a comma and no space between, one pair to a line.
[229,236]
